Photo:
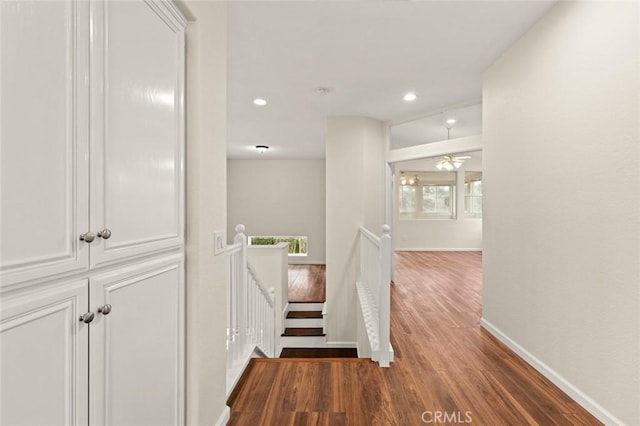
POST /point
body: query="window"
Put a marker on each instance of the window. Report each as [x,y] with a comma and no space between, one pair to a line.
[298,245]
[473,194]
[436,199]
[407,200]
[427,195]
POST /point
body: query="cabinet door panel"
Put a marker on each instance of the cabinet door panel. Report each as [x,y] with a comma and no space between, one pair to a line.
[44,138]
[136,350]
[137,144]
[44,357]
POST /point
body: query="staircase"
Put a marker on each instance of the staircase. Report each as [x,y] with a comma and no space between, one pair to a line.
[304,326]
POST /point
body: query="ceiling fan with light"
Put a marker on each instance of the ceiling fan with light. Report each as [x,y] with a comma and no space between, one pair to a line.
[451,162]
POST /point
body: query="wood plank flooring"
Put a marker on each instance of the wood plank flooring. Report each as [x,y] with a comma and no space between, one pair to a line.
[447,370]
[307,283]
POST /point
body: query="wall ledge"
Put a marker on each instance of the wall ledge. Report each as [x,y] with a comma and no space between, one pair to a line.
[279,246]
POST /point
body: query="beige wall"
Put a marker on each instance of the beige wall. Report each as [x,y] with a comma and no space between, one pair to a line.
[206,211]
[354,149]
[562,202]
[279,197]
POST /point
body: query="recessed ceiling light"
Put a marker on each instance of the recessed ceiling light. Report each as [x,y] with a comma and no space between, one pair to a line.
[410,97]
[260,102]
[261,148]
[451,121]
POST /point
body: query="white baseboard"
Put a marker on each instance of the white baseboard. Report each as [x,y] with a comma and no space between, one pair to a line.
[306,262]
[341,344]
[437,249]
[224,416]
[576,394]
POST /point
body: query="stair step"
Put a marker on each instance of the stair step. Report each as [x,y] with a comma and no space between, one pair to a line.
[303,322]
[303,341]
[304,306]
[319,353]
[311,331]
[304,314]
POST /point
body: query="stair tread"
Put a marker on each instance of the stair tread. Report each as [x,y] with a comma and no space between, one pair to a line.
[308,331]
[304,314]
[319,353]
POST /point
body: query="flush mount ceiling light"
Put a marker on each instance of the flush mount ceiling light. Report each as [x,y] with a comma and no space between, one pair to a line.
[322,91]
[259,101]
[261,148]
[410,97]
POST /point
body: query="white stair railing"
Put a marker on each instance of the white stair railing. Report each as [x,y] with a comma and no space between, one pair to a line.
[373,285]
[250,311]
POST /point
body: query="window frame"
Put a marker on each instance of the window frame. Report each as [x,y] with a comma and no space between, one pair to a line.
[470,196]
[418,212]
[282,239]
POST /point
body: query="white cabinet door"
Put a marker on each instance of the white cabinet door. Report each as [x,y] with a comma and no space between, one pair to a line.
[137,350]
[43,138]
[44,357]
[137,136]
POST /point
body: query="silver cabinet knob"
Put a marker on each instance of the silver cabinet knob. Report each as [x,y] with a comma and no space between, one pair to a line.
[104,309]
[88,237]
[87,318]
[105,234]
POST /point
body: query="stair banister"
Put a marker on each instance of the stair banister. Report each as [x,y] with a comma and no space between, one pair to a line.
[242,303]
[251,310]
[385,296]
[373,286]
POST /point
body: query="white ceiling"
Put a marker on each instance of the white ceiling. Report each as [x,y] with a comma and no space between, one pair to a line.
[369,54]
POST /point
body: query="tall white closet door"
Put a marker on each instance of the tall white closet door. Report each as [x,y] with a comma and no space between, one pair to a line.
[137,350]
[43,357]
[137,138]
[43,138]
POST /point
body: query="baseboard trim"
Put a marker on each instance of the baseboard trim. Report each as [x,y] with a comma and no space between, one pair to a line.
[438,249]
[576,394]
[224,416]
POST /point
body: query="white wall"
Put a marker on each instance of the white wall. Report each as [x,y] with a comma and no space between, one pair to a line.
[440,234]
[206,211]
[354,153]
[562,224]
[279,197]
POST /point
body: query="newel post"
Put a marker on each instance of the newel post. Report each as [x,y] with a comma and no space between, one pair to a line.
[273,337]
[241,290]
[384,357]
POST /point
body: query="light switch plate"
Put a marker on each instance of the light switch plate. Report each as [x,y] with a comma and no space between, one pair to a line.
[219,242]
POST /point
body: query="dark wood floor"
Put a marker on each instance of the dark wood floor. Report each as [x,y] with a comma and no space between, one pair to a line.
[307,283]
[446,365]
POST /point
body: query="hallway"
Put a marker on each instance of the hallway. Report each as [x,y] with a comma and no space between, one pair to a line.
[447,369]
